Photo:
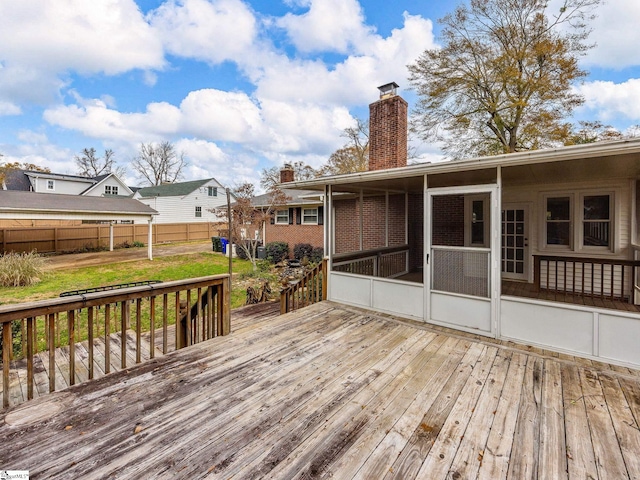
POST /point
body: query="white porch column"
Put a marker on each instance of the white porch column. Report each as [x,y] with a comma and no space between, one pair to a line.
[150,240]
[496,250]
[111,236]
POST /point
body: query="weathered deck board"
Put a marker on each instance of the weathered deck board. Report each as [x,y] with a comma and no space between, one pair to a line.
[335,392]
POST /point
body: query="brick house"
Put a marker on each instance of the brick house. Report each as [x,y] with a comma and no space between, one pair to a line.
[301,220]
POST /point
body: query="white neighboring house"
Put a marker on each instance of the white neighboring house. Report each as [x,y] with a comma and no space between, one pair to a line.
[184,202]
[108,185]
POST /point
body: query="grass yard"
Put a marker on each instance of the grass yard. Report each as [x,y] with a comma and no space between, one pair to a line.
[177,267]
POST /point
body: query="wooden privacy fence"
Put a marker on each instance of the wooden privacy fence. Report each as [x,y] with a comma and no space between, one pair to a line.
[93,236]
[71,339]
[311,288]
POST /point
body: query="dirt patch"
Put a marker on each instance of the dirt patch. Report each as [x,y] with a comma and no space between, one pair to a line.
[73,260]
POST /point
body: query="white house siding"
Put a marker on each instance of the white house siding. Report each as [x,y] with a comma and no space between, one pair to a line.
[66,187]
[182,209]
[98,190]
[533,196]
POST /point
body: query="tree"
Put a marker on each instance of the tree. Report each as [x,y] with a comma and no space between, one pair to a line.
[502,81]
[158,164]
[244,213]
[91,166]
[6,167]
[354,155]
[593,131]
[270,177]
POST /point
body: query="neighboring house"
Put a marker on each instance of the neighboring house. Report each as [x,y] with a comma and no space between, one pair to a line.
[39,182]
[185,202]
[299,221]
[30,206]
[538,247]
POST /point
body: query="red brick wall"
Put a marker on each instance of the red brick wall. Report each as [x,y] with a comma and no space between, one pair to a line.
[294,234]
[347,217]
[448,220]
[347,226]
[388,133]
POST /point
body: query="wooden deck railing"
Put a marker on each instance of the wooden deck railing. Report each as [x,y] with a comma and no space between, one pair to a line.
[385,262]
[588,277]
[196,309]
[311,288]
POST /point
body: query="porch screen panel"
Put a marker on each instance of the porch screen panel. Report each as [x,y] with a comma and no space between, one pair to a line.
[460,270]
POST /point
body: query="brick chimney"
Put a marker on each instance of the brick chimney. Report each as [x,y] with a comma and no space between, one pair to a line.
[286,173]
[388,130]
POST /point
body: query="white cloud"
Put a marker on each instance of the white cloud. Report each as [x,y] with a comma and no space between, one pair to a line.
[616,34]
[210,30]
[328,25]
[41,41]
[611,101]
[354,80]
[107,36]
[9,108]
[226,116]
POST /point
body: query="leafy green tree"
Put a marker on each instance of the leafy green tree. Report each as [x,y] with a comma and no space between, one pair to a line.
[502,81]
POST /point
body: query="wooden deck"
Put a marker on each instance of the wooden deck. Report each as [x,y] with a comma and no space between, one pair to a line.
[336,392]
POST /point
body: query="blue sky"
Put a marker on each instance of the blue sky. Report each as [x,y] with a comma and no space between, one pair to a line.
[238,85]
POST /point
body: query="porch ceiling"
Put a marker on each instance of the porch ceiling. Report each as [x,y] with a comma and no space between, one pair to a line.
[584,169]
[618,159]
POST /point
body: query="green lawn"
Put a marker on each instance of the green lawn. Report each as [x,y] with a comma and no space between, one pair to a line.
[176,267]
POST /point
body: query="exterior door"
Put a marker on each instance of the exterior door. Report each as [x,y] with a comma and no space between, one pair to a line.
[462,236]
[515,242]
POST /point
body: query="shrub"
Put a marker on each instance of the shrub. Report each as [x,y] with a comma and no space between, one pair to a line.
[21,269]
[138,244]
[240,252]
[276,251]
[317,255]
[301,250]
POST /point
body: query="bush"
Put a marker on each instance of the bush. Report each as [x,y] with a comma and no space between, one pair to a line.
[301,250]
[240,252]
[317,255]
[138,244]
[276,251]
[21,269]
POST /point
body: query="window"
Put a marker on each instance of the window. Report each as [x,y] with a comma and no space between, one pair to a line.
[476,232]
[310,216]
[198,212]
[51,185]
[282,217]
[212,191]
[579,221]
[111,190]
[596,221]
[558,221]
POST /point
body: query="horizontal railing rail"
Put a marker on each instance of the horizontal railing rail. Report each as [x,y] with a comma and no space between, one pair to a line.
[605,278]
[387,262]
[84,331]
[311,288]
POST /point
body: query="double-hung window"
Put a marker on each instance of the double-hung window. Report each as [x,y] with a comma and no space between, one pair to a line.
[282,217]
[310,216]
[212,191]
[558,221]
[585,225]
[596,221]
[198,212]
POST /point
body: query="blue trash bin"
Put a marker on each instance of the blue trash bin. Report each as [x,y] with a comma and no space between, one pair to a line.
[224,242]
